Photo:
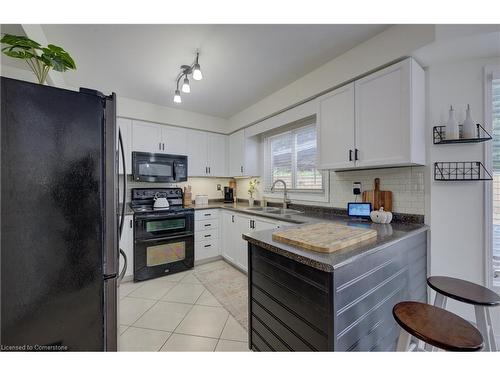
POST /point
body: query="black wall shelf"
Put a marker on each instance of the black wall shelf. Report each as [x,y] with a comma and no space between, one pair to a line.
[460,171]
[439,136]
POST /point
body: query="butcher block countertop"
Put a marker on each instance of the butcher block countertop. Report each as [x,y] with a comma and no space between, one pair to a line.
[386,235]
[324,237]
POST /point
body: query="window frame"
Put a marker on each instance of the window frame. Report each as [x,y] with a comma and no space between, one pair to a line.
[312,195]
[490,72]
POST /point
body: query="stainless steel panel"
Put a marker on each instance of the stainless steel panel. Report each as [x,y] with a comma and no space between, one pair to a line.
[110,315]
[110,266]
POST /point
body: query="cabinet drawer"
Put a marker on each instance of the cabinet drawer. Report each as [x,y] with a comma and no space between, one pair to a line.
[206,249]
[203,225]
[205,235]
[206,214]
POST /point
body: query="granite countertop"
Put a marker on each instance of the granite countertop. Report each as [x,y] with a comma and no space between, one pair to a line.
[387,234]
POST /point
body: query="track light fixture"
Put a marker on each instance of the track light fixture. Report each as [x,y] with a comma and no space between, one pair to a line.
[194,70]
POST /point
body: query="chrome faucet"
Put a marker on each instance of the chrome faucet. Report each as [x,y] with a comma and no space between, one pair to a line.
[285,194]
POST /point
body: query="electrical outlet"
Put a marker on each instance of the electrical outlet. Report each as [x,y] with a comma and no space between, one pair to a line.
[219,187]
[356,188]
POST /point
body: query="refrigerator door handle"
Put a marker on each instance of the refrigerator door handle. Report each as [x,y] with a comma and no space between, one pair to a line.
[122,273]
[124,193]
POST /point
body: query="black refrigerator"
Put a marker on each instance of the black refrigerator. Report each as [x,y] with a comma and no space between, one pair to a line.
[60,222]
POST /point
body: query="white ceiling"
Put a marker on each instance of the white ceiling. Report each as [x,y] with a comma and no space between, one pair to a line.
[241,64]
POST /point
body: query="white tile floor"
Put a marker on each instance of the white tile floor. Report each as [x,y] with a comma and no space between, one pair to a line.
[176,313]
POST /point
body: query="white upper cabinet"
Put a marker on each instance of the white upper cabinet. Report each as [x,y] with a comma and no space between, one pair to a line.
[125,126]
[197,146]
[206,154]
[146,137]
[217,155]
[388,128]
[336,129]
[390,112]
[243,155]
[158,138]
[174,140]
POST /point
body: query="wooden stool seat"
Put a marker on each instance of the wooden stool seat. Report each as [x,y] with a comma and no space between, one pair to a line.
[464,291]
[437,327]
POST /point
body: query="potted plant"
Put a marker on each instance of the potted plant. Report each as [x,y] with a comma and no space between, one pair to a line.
[252,188]
[39,59]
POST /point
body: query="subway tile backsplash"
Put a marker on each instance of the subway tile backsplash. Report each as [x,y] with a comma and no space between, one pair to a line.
[406,184]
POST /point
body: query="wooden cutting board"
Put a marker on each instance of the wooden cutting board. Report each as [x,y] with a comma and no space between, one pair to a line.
[378,198]
[324,237]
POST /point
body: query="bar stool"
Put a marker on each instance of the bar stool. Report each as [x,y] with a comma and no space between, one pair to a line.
[482,298]
[436,327]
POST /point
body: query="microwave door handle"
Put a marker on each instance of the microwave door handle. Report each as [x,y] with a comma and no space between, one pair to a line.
[174,174]
[124,192]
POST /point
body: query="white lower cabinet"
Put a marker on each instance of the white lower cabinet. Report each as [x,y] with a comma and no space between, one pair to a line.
[127,245]
[206,234]
[234,225]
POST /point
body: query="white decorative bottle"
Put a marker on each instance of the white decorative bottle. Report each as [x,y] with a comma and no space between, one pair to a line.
[469,128]
[452,130]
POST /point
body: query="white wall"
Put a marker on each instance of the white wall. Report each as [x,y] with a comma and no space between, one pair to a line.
[139,110]
[455,210]
[393,43]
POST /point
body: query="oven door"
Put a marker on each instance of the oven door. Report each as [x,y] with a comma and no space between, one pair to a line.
[162,256]
[152,167]
[156,226]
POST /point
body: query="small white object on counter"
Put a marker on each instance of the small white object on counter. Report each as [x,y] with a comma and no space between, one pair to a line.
[201,200]
[381,216]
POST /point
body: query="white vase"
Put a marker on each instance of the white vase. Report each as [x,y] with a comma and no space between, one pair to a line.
[469,129]
[251,201]
[452,129]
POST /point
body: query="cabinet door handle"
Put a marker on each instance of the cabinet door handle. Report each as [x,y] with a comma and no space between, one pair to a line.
[350,155]
[159,146]
[208,225]
[232,218]
[164,147]
[209,170]
[356,154]
[208,214]
[241,168]
[207,245]
[207,235]
[130,223]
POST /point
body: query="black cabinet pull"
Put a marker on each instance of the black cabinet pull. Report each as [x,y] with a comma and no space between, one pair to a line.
[207,235]
[208,225]
[232,218]
[208,214]
[164,147]
[159,146]
[350,155]
[209,172]
[207,245]
[356,154]
[252,224]
[241,168]
[130,223]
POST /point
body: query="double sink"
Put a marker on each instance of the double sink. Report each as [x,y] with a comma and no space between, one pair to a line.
[274,210]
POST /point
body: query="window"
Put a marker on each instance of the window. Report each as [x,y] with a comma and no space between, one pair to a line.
[493,105]
[291,157]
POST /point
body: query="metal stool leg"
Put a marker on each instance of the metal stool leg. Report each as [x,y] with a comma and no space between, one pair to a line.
[439,301]
[403,341]
[493,344]
[483,326]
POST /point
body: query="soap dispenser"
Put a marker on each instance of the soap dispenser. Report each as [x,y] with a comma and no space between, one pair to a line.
[452,130]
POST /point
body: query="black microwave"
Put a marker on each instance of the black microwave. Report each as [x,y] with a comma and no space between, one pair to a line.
[159,167]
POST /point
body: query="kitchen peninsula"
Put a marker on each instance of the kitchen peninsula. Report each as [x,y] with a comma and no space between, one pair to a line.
[302,300]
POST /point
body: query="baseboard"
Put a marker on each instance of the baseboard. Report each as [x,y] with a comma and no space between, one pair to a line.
[207,260]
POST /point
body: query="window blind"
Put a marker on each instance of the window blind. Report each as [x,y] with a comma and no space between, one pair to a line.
[291,157]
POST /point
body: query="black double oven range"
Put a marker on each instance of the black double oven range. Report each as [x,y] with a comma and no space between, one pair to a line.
[163,238]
